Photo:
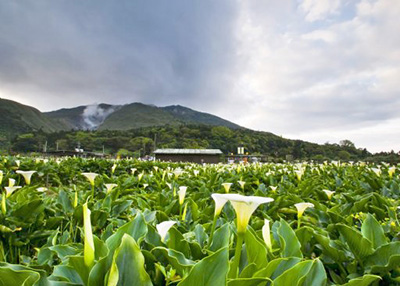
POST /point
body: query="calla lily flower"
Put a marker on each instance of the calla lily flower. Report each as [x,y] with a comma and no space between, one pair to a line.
[196,172]
[266,233]
[41,189]
[220,201]
[10,190]
[18,163]
[242,183]
[88,246]
[27,175]
[109,187]
[329,193]
[301,207]
[91,177]
[299,174]
[377,171]
[227,186]
[390,171]
[113,168]
[145,186]
[178,172]
[182,194]
[244,207]
[273,188]
[133,170]
[140,176]
[11,182]
[164,227]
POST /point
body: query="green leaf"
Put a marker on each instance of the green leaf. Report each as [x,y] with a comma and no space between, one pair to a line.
[303,273]
[328,249]
[177,241]
[210,271]
[363,281]
[384,259]
[137,228]
[372,230]
[129,261]
[221,238]
[359,246]
[12,275]
[256,249]
[289,244]
[277,266]
[249,281]
[177,260]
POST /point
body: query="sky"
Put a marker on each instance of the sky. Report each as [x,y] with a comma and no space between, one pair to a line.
[317,70]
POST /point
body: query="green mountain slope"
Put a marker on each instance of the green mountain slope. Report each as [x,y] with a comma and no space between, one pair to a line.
[17,118]
[82,117]
[190,116]
[137,115]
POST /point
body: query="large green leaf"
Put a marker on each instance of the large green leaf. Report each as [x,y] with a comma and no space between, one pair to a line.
[10,276]
[384,259]
[249,281]
[359,246]
[309,272]
[177,260]
[177,242]
[127,268]
[328,249]
[137,228]
[277,266]
[365,280]
[256,249]
[289,244]
[210,271]
[372,230]
[221,238]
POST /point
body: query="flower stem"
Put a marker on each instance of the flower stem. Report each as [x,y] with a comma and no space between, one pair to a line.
[298,222]
[212,231]
[234,271]
[93,192]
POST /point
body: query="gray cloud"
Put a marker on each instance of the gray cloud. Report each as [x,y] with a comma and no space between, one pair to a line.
[321,70]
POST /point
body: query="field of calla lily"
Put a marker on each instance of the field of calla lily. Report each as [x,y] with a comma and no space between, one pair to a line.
[96,222]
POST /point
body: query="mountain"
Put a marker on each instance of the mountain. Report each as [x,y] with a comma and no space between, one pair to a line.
[18,118]
[82,117]
[191,116]
[130,116]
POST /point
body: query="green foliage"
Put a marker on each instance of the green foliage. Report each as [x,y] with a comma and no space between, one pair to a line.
[350,238]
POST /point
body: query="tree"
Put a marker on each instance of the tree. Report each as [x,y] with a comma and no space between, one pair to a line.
[347,144]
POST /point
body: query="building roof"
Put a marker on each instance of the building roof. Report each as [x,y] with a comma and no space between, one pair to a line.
[189,151]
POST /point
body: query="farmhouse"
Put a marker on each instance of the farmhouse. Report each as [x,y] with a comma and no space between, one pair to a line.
[189,155]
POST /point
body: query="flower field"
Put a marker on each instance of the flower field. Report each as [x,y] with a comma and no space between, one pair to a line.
[100,222]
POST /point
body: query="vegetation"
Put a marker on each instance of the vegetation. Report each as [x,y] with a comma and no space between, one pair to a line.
[79,221]
[144,140]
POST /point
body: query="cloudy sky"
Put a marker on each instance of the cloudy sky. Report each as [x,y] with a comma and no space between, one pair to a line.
[317,70]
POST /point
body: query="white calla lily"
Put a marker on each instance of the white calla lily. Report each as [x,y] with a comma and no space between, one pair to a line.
[182,194]
[164,227]
[88,246]
[301,207]
[244,207]
[10,190]
[91,177]
[242,183]
[226,186]
[110,187]
[391,171]
[220,201]
[266,233]
[329,193]
[27,175]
